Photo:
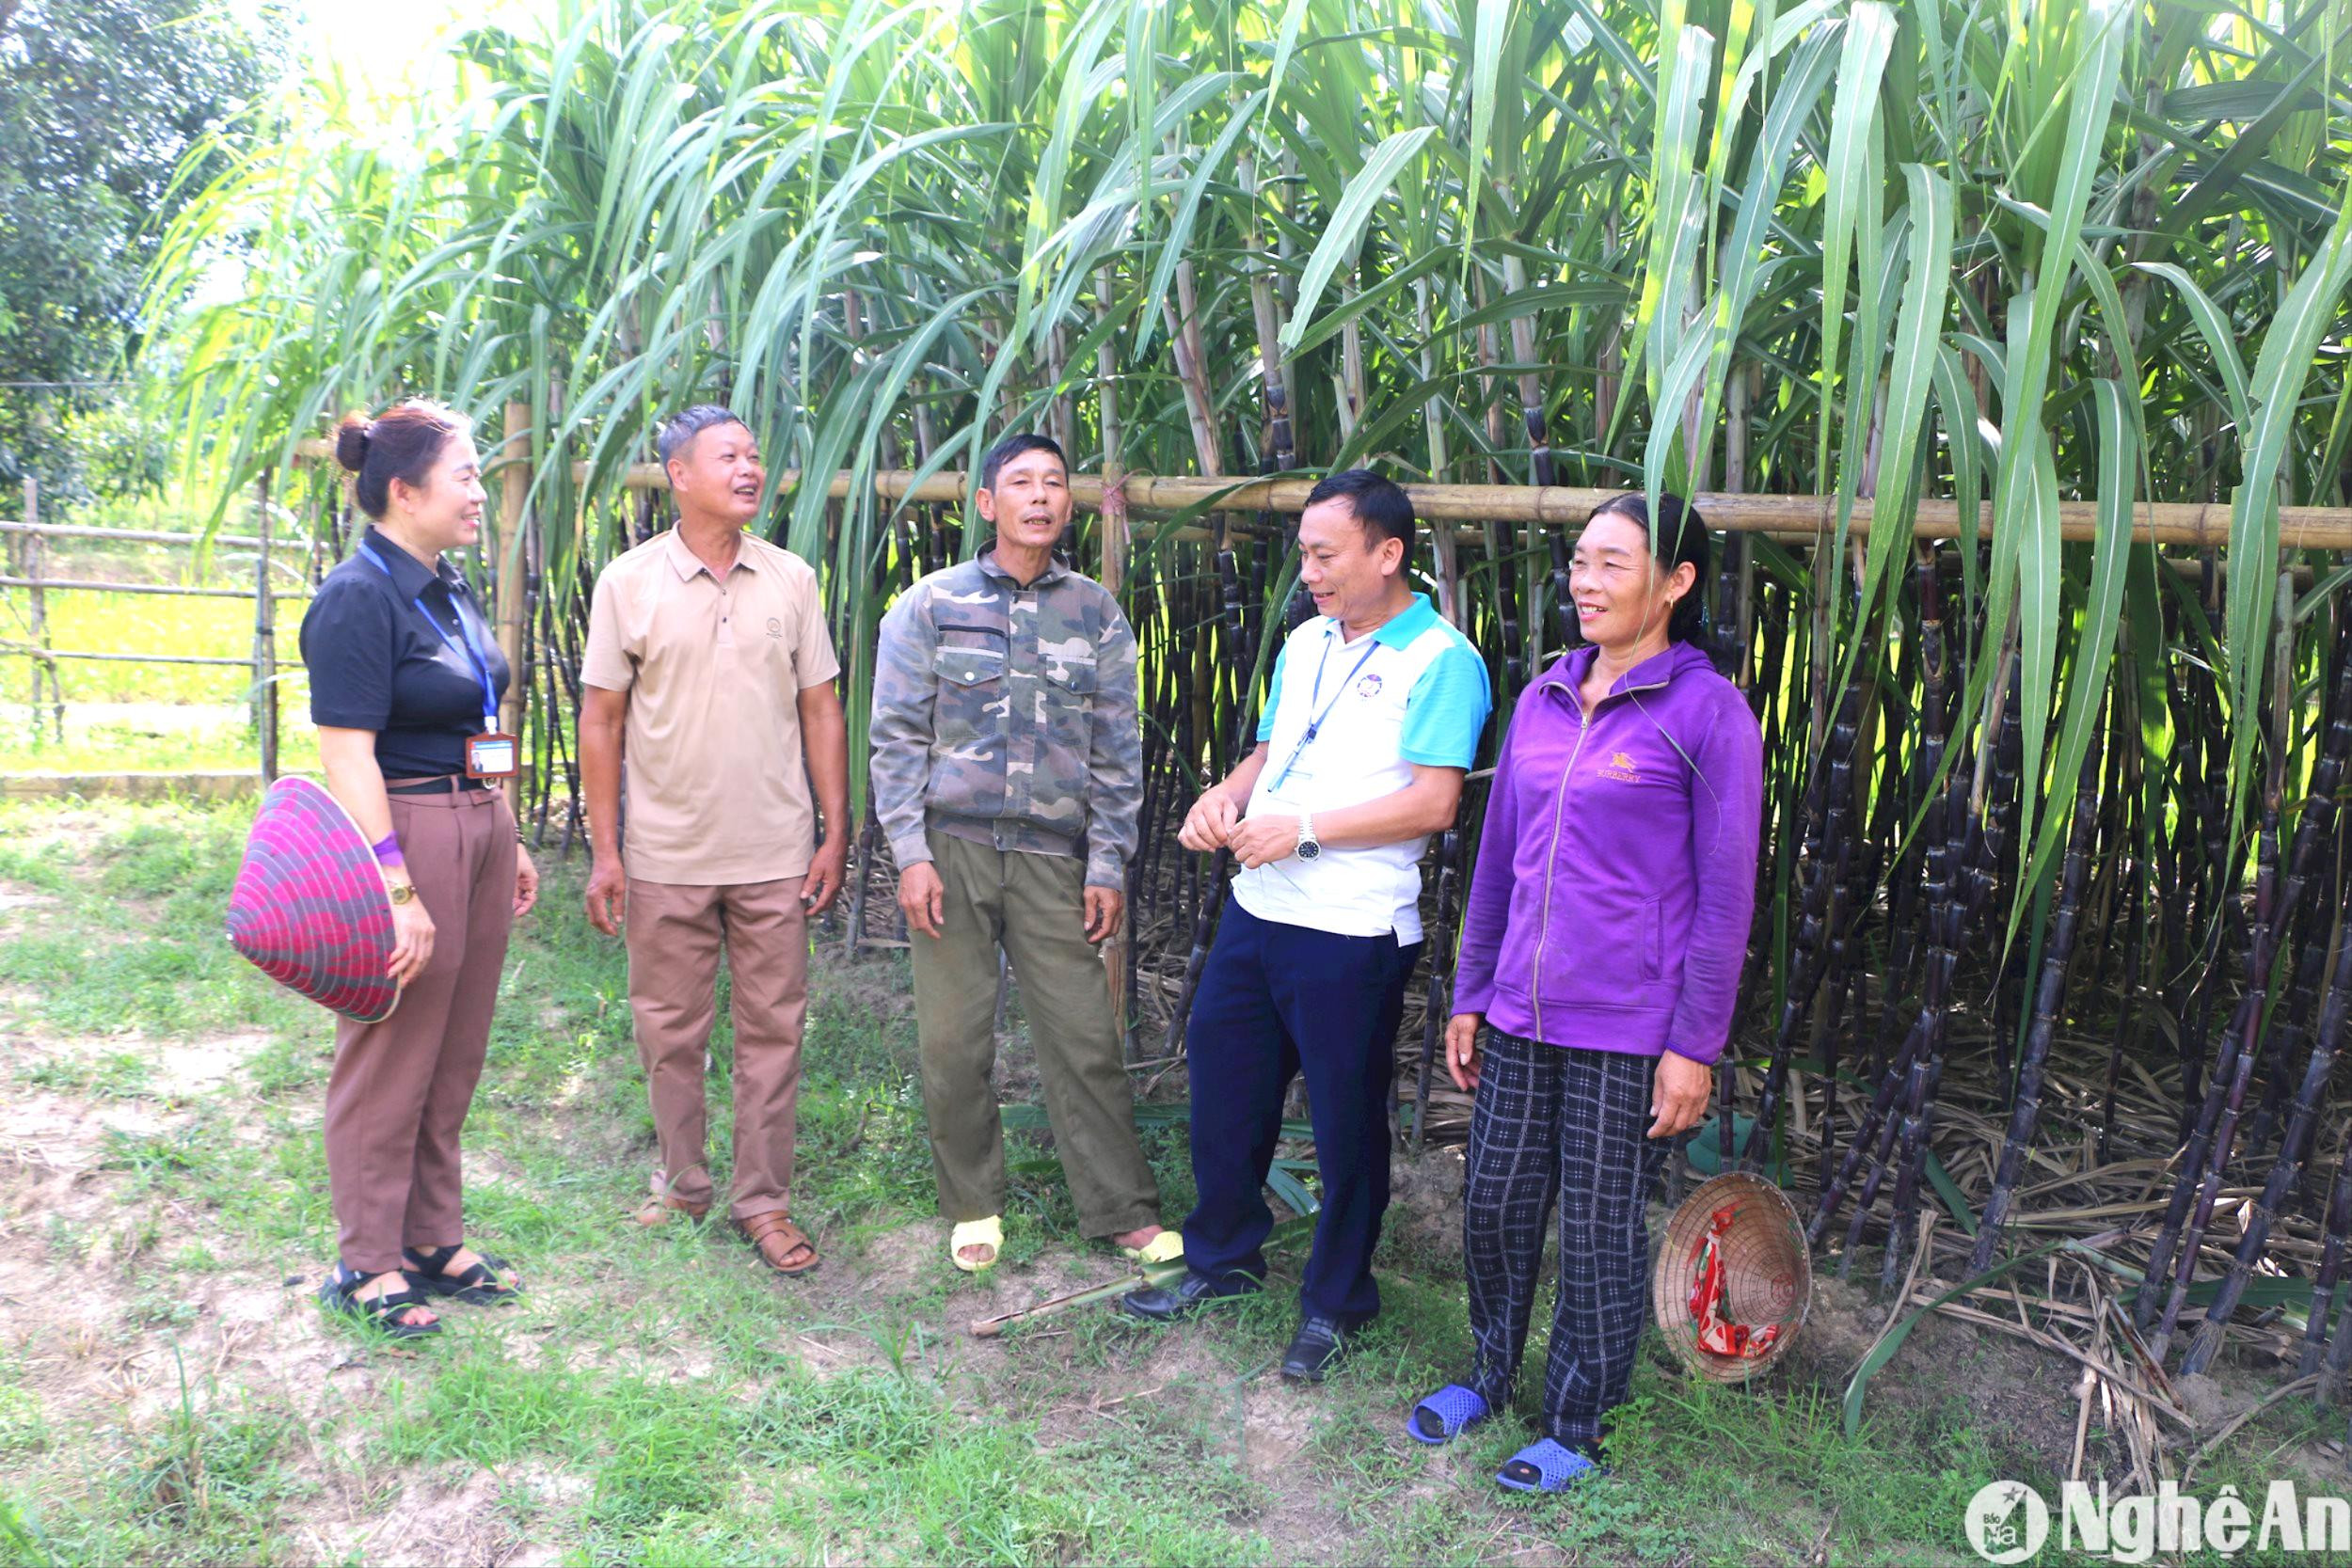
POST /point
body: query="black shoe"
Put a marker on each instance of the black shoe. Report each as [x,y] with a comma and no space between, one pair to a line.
[1316,1349]
[1194,1291]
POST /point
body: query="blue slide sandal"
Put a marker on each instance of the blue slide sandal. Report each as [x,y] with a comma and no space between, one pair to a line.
[1556,1467]
[1457,1410]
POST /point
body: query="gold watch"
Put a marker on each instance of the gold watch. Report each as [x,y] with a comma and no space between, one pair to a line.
[401,893]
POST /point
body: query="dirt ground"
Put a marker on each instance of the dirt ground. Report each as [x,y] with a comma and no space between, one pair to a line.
[163,1227]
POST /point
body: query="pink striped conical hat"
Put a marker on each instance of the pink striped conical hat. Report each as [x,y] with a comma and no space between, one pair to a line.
[309,908]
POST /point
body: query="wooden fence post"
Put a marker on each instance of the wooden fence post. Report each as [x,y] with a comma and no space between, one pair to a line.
[264,637]
[34,569]
[513,589]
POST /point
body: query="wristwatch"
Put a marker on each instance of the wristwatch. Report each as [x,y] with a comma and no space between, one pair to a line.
[1309,846]
[401,893]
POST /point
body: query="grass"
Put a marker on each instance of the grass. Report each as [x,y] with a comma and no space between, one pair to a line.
[167,1392]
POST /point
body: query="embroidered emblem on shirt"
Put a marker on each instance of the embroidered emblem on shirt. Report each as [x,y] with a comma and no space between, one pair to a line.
[775,628]
[1621,767]
[1368,687]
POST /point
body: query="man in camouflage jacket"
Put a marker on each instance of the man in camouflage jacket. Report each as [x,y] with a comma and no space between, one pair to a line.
[1008,769]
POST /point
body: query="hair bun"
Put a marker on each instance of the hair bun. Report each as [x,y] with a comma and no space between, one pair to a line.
[350,440]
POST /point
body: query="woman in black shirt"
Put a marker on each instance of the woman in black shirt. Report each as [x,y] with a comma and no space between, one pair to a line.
[405,681]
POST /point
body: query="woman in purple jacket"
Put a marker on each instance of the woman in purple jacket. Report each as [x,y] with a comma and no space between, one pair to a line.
[1601,948]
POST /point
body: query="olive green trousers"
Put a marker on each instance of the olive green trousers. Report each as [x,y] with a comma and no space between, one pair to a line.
[1033,907]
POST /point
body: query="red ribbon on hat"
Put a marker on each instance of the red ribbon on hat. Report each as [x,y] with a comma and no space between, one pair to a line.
[1718,1335]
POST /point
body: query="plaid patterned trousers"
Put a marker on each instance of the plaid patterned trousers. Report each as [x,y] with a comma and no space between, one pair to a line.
[1553,1122]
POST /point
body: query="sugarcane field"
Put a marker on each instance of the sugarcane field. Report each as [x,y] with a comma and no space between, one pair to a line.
[1059,782]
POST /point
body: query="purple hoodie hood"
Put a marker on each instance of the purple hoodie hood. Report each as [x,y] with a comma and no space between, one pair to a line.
[1616,869]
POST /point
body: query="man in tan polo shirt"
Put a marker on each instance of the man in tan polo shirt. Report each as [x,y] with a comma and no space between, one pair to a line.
[709,668]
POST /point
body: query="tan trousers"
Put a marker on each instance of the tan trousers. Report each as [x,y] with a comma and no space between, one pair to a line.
[1032,905]
[676,933]
[400,1088]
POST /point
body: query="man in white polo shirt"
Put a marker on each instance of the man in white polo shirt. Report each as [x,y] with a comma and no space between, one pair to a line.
[1371,723]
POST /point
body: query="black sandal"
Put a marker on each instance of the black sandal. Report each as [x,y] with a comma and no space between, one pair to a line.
[479,1286]
[380,1312]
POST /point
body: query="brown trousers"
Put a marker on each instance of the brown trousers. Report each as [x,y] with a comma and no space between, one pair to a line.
[675,934]
[400,1088]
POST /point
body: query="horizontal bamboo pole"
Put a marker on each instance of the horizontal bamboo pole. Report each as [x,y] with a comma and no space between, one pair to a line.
[2197,525]
[60,584]
[150,536]
[23,652]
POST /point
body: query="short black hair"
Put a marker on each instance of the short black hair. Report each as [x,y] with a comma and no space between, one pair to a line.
[1380,504]
[1678,534]
[1013,446]
[686,423]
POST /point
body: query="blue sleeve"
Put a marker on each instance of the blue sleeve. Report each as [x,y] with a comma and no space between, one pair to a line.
[1273,695]
[1447,710]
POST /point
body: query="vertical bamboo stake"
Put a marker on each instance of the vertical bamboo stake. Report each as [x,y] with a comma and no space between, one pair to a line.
[265,638]
[39,606]
[514,490]
[1118,953]
[1444,551]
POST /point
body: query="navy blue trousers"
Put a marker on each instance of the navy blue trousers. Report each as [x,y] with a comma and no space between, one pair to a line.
[1276,1001]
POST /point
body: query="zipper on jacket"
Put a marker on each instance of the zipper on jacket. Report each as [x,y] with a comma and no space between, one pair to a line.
[1551,856]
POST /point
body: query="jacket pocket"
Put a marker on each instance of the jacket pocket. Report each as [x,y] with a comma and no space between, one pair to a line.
[1653,939]
[968,667]
[970,720]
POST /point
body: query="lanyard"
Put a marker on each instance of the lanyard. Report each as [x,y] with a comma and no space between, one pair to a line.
[1315,724]
[463,642]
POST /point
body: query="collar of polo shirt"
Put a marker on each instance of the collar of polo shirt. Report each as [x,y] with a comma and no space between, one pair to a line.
[1399,629]
[411,577]
[685,562]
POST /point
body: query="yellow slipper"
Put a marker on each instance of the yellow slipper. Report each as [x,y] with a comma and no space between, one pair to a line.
[988,1233]
[1165,1247]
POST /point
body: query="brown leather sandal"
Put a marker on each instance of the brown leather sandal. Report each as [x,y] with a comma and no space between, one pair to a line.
[658,1209]
[779,1241]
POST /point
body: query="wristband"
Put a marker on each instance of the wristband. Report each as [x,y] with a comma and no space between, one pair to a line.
[387,853]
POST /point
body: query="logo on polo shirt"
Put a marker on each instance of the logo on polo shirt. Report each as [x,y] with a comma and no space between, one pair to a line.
[1369,687]
[776,627]
[1621,767]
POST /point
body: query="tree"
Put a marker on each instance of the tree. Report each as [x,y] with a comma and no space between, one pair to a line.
[101,100]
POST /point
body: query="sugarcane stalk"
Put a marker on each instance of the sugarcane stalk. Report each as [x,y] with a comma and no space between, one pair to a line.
[2204,1166]
[1824,899]
[2336,1247]
[1543,469]
[1437,1002]
[2284,1172]
[2318,820]
[1213,896]
[2025,1113]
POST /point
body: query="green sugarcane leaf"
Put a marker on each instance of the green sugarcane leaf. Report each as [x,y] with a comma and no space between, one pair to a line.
[1338,244]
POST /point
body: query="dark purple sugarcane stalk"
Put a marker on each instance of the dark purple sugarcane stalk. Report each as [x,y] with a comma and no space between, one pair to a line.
[1934,727]
[2025,1114]
[1826,829]
[2206,1157]
[2126,1027]
[1902,1232]
[1944,931]
[2334,1250]
[1244,729]
[1438,1004]
[2317,822]
[1991,838]
[2284,1172]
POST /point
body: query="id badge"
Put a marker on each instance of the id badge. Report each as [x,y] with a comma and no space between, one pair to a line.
[490,756]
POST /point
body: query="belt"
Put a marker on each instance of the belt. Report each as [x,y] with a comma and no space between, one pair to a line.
[448,783]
